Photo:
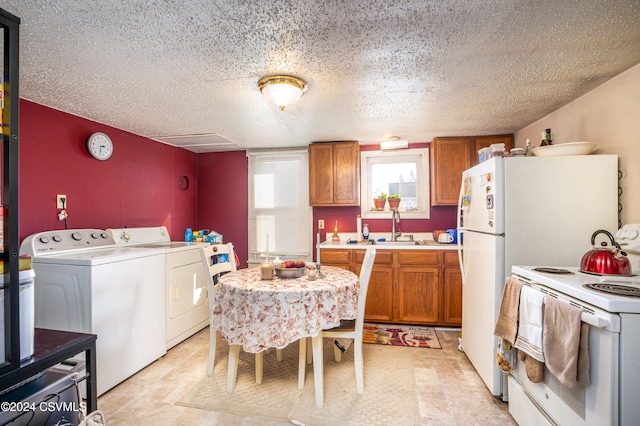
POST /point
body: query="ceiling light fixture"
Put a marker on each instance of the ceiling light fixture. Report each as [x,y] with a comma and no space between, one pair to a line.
[282,90]
[394,143]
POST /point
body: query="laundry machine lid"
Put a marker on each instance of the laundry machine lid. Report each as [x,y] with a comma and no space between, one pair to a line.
[98,256]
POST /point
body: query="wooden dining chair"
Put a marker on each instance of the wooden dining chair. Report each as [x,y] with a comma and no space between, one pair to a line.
[348,329]
[212,268]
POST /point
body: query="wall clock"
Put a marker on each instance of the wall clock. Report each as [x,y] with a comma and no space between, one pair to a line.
[100,146]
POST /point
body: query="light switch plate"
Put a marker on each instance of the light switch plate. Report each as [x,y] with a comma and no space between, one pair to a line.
[320,224]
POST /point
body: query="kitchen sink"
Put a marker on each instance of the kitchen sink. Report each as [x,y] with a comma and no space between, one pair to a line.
[431,243]
[400,243]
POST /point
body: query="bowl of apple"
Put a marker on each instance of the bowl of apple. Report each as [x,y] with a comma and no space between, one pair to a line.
[291,268]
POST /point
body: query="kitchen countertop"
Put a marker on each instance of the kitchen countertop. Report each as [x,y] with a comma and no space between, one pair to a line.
[425,241]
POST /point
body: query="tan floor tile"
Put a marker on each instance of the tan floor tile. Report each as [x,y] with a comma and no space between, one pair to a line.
[450,392]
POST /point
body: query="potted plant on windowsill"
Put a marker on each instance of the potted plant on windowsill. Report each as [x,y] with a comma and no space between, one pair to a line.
[394,201]
[379,201]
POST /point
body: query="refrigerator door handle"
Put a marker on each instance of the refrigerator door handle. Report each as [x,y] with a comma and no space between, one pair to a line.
[459,231]
[460,259]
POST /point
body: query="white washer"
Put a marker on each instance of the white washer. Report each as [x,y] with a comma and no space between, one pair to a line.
[86,283]
[187,305]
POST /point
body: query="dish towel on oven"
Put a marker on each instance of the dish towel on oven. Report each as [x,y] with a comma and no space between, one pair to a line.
[507,323]
[565,343]
[529,338]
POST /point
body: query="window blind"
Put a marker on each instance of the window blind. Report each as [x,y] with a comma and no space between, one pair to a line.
[279,208]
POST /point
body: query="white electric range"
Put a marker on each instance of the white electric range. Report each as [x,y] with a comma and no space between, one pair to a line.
[187,306]
[611,306]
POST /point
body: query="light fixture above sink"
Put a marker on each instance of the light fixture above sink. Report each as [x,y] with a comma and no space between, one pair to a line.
[394,143]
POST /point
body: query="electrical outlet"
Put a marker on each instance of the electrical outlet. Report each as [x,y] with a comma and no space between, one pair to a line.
[320,224]
[59,202]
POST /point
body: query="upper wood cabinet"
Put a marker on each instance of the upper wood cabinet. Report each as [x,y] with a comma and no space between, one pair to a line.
[450,157]
[334,174]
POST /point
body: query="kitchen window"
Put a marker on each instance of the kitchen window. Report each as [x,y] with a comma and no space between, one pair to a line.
[405,173]
[279,208]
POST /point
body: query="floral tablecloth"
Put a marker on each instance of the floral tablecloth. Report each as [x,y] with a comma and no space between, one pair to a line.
[261,314]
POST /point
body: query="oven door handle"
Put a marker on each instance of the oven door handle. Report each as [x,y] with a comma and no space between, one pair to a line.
[594,318]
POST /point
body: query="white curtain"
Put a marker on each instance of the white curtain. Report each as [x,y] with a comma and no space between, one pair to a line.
[279,208]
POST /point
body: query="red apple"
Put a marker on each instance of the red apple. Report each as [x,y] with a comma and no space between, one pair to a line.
[299,263]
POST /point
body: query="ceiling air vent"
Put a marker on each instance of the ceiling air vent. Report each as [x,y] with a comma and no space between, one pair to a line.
[208,142]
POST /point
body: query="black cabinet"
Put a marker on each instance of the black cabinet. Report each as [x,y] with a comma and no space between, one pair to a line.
[52,347]
[10,103]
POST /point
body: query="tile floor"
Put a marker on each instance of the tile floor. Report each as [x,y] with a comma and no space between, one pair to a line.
[450,392]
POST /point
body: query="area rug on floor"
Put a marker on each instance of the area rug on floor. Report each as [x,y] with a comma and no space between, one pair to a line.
[274,397]
[390,391]
[401,335]
[389,379]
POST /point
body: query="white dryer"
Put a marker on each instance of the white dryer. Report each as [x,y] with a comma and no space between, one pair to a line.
[187,305]
[86,283]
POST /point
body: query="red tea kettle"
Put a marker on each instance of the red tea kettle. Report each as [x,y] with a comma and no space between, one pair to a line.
[605,260]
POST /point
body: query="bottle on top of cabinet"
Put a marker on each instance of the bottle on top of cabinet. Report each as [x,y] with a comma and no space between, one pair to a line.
[543,142]
[527,150]
[548,136]
[365,232]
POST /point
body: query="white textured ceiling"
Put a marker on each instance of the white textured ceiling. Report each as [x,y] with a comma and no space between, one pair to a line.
[375,68]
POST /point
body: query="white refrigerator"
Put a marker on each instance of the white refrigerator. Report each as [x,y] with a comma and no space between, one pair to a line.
[537,211]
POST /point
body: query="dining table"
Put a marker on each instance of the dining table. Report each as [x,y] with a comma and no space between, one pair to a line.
[256,314]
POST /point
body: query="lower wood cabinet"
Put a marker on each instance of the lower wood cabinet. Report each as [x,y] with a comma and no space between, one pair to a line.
[452,296]
[407,286]
[418,294]
[340,258]
[418,286]
[379,306]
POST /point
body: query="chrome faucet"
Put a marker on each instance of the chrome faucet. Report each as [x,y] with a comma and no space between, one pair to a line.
[395,218]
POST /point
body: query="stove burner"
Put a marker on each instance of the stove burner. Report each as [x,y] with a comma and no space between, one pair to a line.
[556,271]
[597,274]
[615,289]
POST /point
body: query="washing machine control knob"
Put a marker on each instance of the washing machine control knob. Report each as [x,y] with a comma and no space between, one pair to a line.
[76,236]
[44,240]
[125,236]
[56,238]
[95,235]
[104,235]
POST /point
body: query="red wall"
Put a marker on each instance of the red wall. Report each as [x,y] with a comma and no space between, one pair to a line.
[137,186]
[223,198]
